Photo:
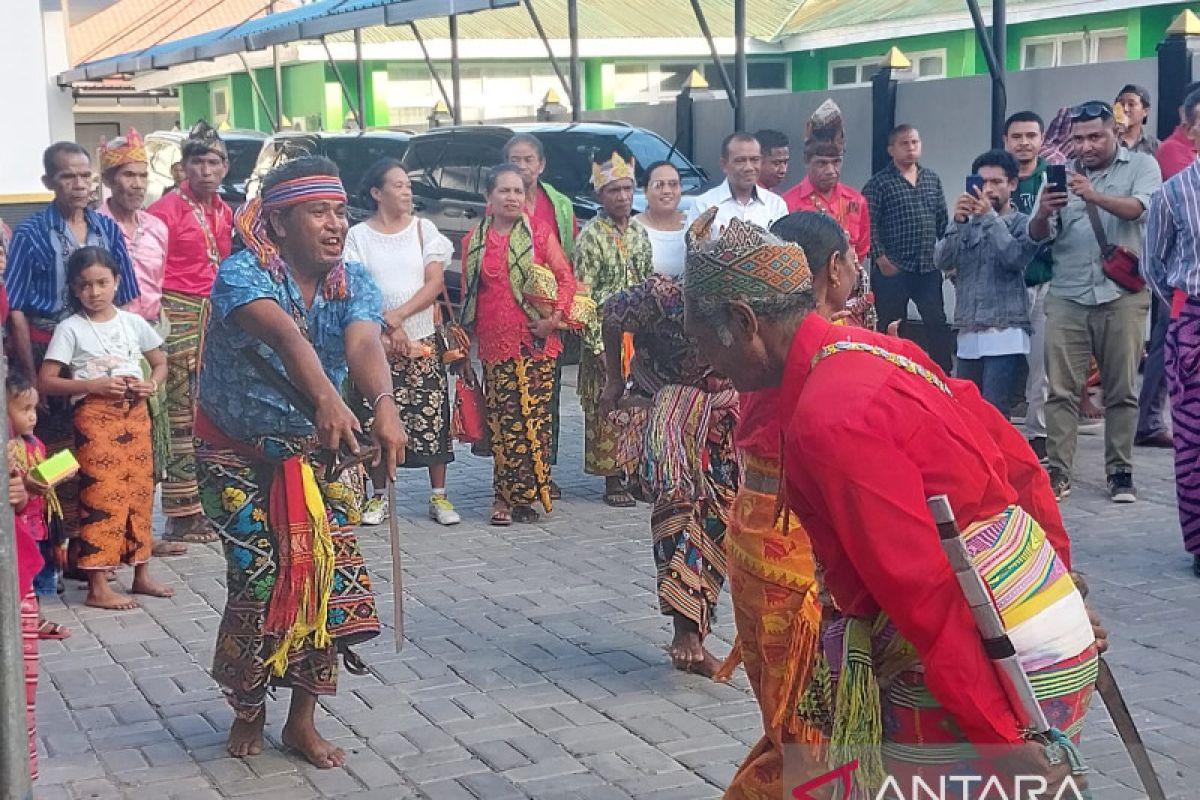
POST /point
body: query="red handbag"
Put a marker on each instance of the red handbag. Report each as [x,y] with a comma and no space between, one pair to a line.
[468,421]
[1119,264]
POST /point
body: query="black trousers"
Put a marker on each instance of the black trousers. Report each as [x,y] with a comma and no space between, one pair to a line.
[925,290]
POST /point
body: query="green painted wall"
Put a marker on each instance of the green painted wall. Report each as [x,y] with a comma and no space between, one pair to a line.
[593,85]
[303,93]
[193,103]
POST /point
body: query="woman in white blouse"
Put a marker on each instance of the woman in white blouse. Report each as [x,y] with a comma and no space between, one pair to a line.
[663,220]
[406,256]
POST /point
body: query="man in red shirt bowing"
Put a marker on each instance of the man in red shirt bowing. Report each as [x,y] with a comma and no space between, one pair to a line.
[200,228]
[871,429]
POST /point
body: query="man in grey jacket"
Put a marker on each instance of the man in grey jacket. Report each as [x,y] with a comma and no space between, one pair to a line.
[985,252]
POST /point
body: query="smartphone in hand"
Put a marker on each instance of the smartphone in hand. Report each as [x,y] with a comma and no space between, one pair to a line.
[974,185]
[1056,177]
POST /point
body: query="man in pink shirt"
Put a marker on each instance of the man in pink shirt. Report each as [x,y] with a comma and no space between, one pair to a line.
[125,173]
[200,228]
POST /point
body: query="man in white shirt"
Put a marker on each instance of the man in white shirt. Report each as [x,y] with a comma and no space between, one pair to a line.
[739,195]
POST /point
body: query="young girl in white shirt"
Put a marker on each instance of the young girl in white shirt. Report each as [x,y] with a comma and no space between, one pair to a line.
[95,357]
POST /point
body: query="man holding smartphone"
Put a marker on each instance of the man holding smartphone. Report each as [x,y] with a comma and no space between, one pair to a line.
[1087,313]
[986,249]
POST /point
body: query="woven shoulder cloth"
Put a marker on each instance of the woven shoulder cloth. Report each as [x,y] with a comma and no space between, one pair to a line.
[903,362]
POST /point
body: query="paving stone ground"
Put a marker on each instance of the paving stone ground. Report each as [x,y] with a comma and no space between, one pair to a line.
[534,664]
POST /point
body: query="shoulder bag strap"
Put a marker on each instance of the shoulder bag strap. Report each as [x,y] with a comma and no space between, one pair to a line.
[1093,214]
[445,293]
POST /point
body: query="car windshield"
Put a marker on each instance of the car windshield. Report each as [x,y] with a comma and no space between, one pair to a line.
[569,157]
[243,154]
[353,155]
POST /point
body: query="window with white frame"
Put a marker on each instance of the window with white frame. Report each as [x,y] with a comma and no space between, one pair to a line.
[643,82]
[219,104]
[494,91]
[927,65]
[1069,49]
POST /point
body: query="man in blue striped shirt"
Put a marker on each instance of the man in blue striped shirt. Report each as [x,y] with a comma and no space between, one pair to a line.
[35,279]
[37,257]
[1172,266]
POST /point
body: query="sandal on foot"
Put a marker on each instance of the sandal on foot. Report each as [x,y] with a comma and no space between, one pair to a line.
[501,516]
[199,532]
[165,549]
[619,499]
[52,630]
[524,514]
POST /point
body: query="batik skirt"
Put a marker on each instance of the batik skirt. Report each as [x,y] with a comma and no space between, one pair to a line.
[518,394]
[116,482]
[187,315]
[773,584]
[422,393]
[601,438]
[690,468]
[235,493]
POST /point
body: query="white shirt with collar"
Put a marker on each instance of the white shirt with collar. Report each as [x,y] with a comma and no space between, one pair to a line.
[763,209]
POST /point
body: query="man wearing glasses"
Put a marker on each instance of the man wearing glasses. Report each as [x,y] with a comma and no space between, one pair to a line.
[1088,314]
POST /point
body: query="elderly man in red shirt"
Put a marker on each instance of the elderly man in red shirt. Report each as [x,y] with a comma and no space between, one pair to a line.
[200,229]
[822,188]
[866,440]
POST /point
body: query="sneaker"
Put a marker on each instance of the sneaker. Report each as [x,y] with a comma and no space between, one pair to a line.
[441,510]
[1121,488]
[1060,483]
[375,511]
[1038,445]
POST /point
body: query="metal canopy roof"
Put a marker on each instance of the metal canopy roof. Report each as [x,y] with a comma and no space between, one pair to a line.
[306,22]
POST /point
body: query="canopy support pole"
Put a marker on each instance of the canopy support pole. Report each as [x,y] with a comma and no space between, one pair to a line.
[568,86]
[455,71]
[258,93]
[432,69]
[337,73]
[730,94]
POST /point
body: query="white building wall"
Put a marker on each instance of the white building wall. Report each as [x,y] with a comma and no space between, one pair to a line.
[33,51]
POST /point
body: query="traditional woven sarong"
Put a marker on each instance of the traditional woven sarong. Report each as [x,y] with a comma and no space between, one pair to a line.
[422,393]
[1183,381]
[690,467]
[116,482]
[1044,617]
[298,590]
[601,438]
[187,315]
[518,393]
[29,654]
[772,580]
[56,428]
[555,413]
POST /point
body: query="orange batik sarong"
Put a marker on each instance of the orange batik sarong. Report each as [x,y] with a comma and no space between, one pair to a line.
[773,583]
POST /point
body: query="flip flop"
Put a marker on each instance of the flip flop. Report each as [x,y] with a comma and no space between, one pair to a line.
[52,630]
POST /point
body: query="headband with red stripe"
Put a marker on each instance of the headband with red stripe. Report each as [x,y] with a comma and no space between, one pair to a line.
[302,190]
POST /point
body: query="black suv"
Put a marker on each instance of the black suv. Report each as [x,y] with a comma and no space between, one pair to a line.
[163,150]
[353,151]
[447,166]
